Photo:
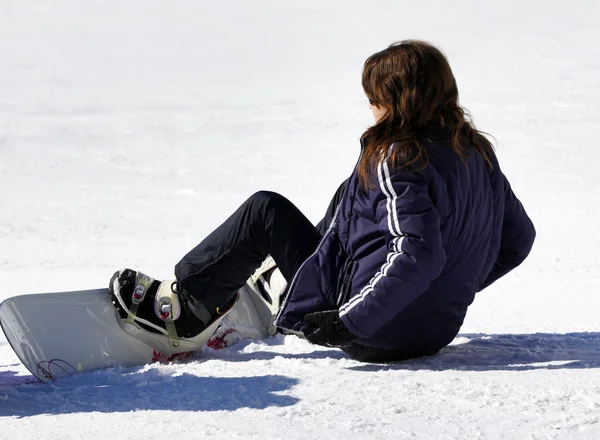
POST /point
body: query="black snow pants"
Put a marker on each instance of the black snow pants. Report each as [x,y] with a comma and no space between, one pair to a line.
[265,224]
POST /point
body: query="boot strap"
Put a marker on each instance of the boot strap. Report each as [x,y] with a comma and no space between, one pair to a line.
[167,307]
[142,284]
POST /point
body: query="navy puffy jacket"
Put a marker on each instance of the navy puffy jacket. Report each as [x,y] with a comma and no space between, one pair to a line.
[403,260]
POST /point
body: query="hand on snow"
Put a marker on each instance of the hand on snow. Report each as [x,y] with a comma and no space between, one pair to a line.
[326,328]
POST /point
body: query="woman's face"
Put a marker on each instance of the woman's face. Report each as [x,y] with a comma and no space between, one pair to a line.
[378,112]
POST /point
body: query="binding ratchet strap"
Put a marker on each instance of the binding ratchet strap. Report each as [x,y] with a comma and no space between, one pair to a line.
[167,308]
[142,283]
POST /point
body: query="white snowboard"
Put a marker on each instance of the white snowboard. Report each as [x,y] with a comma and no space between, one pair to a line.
[59,334]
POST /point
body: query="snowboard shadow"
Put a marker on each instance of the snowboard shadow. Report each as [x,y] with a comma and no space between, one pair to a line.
[131,390]
[509,352]
[11,378]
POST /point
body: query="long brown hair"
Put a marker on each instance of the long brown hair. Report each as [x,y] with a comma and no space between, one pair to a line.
[412,81]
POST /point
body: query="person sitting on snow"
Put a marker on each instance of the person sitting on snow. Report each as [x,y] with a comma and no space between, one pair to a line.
[425,221]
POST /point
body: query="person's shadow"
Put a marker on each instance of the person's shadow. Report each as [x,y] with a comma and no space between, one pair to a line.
[475,352]
[132,389]
[136,389]
[514,352]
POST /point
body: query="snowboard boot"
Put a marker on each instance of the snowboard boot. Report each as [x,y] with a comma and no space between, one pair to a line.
[160,307]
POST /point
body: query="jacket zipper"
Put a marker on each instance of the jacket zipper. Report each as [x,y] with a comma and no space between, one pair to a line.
[345,287]
[331,226]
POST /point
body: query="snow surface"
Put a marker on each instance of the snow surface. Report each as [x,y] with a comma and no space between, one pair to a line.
[128,130]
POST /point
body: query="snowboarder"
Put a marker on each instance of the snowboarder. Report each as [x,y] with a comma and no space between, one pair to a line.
[425,221]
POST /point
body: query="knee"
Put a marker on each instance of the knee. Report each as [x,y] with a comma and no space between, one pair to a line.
[267,198]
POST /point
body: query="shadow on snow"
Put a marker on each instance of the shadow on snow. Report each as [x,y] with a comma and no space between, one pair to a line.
[481,352]
[471,352]
[9,377]
[156,389]
[133,390]
[475,352]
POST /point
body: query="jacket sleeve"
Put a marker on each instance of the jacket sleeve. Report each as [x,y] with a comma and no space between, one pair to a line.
[518,234]
[415,257]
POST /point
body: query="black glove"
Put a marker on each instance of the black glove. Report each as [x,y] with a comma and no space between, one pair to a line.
[326,328]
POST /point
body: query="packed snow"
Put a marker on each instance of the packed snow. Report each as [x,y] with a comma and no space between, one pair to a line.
[129,130]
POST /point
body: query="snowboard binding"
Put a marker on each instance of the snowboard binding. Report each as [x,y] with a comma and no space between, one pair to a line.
[160,314]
